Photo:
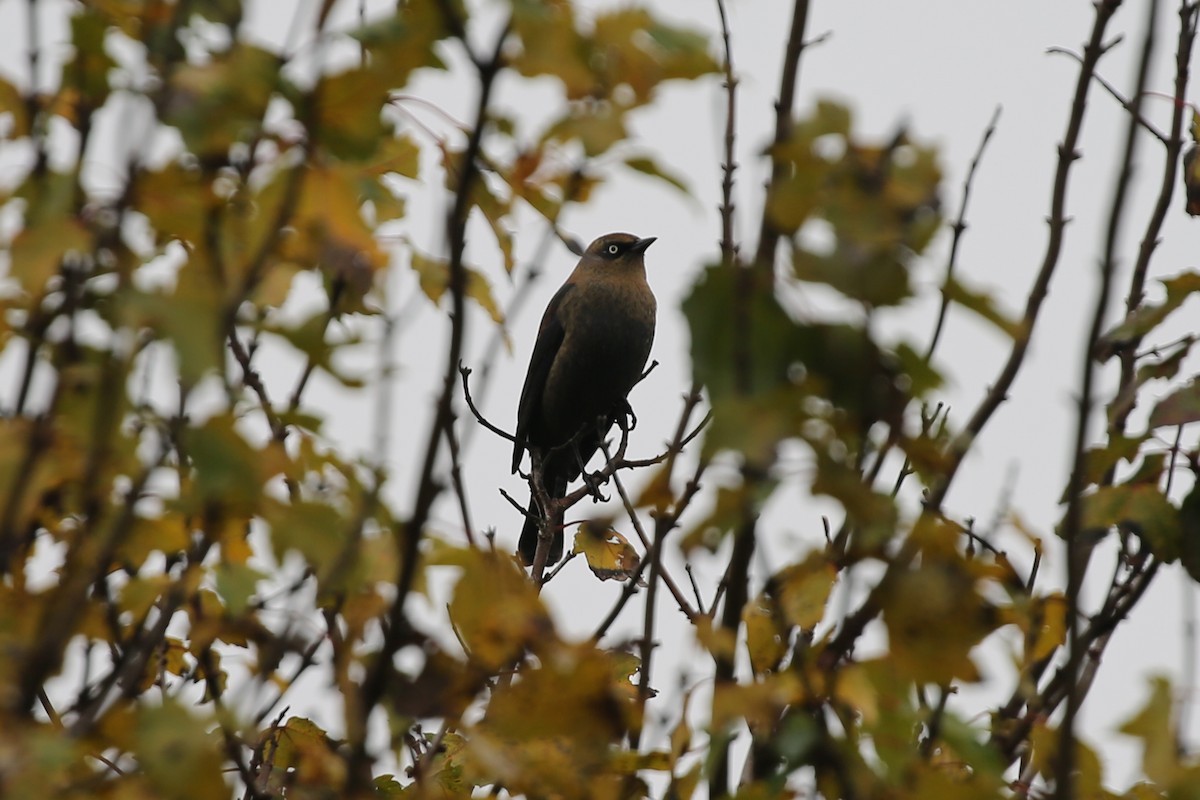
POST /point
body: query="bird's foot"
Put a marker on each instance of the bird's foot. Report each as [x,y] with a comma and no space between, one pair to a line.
[625,416]
[593,481]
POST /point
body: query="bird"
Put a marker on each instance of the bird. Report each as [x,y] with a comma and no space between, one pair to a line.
[592,345]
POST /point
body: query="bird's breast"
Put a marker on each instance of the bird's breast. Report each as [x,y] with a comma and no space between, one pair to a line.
[608,331]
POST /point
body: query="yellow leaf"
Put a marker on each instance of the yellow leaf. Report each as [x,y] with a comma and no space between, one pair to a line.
[496,610]
[37,252]
[551,731]
[803,590]
[765,642]
[1153,725]
[178,756]
[609,555]
[758,703]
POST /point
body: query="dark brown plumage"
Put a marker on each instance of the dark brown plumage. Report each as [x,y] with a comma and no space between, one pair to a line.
[591,348]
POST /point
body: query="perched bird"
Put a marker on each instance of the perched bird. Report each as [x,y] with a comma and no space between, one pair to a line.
[591,348]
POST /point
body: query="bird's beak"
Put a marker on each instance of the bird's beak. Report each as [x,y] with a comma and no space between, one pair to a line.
[641,244]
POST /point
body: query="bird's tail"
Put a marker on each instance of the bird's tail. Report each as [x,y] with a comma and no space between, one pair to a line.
[527,546]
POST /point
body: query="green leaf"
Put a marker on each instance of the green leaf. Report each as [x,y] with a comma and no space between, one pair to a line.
[1189,534]
[37,252]
[1097,461]
[223,101]
[434,275]
[237,583]
[597,126]
[1179,408]
[803,589]
[551,45]
[879,202]
[1138,508]
[348,120]
[984,305]
[85,76]
[1148,316]
[13,106]
[189,317]
[404,42]
[648,166]
[228,473]
[177,754]
[1160,761]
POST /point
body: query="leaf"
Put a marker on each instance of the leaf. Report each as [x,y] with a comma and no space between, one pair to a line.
[872,514]
[984,305]
[227,472]
[550,731]
[1152,725]
[1148,315]
[733,505]
[176,200]
[404,42]
[333,232]
[803,589]
[189,317]
[496,611]
[13,106]
[552,45]
[1098,461]
[598,126]
[634,48]
[1052,632]
[1137,508]
[216,104]
[180,759]
[1189,533]
[766,643]
[304,753]
[434,275]
[758,703]
[855,213]
[935,613]
[609,555]
[84,85]
[237,584]
[1179,408]
[348,112]
[37,252]
[648,166]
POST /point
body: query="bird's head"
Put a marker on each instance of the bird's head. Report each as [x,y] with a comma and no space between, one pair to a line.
[618,249]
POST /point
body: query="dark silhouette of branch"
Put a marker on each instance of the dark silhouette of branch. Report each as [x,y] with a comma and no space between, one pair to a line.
[1078,552]
[958,228]
[1126,104]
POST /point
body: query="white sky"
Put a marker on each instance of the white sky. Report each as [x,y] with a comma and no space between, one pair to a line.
[941,67]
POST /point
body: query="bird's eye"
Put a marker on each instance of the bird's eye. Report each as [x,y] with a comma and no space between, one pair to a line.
[613,249]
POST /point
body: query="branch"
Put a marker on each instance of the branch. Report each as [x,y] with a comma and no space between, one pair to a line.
[1057,221]
[959,226]
[1079,552]
[411,531]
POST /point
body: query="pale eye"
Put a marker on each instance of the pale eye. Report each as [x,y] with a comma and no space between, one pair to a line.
[613,249]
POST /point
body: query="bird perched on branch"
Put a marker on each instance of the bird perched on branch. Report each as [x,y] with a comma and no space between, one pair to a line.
[591,348]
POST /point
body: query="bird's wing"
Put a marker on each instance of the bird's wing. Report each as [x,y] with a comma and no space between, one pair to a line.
[550,337]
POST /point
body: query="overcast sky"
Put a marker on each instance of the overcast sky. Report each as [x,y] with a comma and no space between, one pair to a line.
[940,68]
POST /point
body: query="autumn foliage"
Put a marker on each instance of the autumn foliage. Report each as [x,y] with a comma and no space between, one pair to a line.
[183,548]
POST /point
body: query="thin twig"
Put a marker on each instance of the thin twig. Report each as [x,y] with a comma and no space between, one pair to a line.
[958,228]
